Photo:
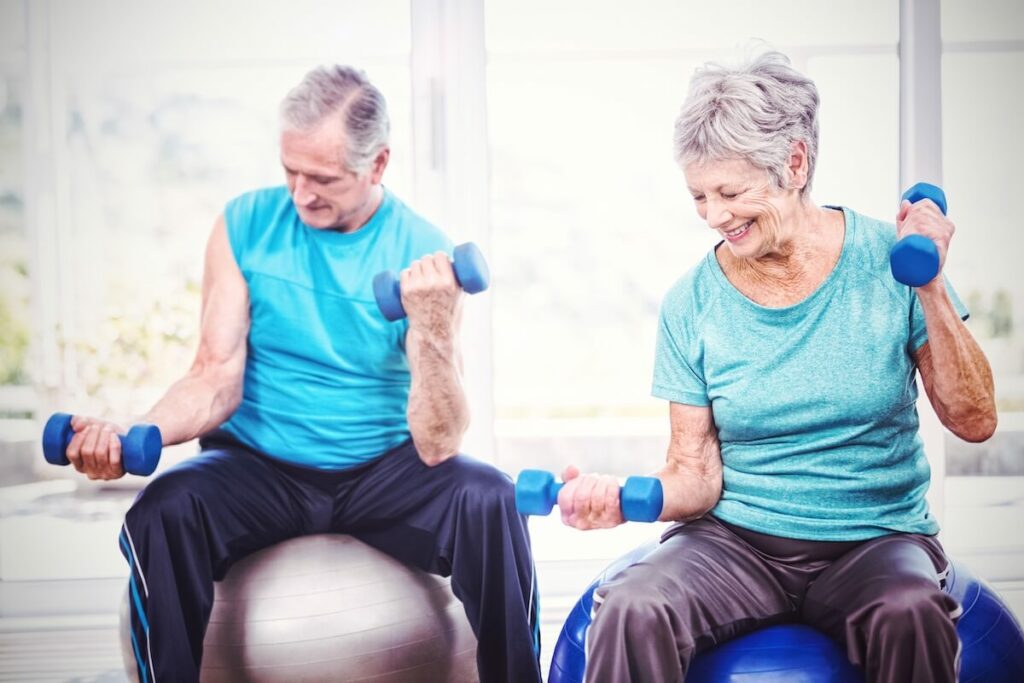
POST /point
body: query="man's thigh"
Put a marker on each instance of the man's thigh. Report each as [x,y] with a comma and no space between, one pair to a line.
[415,512]
[231,499]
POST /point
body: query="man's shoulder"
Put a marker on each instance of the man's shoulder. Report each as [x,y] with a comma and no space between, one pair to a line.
[259,200]
[417,228]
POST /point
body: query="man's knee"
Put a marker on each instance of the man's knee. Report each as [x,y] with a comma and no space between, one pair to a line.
[173,498]
[483,488]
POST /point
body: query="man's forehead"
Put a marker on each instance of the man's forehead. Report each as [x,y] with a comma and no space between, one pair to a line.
[304,149]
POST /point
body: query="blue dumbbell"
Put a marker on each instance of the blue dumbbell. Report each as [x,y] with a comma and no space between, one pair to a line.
[641,498]
[914,260]
[471,272]
[140,447]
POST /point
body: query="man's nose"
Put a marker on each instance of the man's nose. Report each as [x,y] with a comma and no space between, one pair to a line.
[302,194]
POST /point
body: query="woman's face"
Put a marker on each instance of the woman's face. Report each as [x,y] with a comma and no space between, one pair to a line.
[741,203]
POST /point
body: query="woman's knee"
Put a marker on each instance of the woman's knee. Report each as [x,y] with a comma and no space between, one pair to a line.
[912,605]
[633,607]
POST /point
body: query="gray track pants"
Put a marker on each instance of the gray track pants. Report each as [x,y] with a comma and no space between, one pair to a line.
[709,581]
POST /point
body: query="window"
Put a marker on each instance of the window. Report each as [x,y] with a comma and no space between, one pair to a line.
[162,116]
[983,53]
[145,119]
[15,285]
[591,220]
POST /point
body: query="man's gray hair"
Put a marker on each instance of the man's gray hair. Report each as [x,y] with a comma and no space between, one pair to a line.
[753,112]
[348,93]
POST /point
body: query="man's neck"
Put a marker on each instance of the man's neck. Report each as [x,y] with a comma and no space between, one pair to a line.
[362,215]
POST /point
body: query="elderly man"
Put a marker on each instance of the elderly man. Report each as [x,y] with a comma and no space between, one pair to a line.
[314,413]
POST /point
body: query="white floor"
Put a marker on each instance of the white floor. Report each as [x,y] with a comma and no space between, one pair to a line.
[62,578]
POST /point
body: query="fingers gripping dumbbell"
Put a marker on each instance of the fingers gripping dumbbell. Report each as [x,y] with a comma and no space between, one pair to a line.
[914,260]
[641,498]
[140,447]
[471,272]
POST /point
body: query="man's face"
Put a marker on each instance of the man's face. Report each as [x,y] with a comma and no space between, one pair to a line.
[326,193]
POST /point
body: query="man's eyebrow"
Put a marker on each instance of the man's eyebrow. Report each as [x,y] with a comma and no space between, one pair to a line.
[320,176]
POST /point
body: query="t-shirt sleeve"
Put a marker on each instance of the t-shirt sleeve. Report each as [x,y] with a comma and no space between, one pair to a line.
[918,330]
[677,357]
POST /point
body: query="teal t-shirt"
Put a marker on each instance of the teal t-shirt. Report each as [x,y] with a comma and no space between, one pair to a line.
[326,376]
[814,403]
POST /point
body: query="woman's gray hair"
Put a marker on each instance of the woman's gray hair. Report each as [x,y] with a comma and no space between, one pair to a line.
[349,94]
[753,112]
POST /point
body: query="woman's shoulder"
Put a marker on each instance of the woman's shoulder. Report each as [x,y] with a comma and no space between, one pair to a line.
[870,243]
[869,233]
[695,290]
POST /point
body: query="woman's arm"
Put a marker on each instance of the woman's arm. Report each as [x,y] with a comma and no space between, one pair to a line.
[692,475]
[691,479]
[955,373]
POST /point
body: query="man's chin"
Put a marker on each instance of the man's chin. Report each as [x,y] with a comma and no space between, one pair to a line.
[315,219]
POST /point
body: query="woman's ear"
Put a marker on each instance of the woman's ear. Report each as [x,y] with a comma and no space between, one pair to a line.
[798,165]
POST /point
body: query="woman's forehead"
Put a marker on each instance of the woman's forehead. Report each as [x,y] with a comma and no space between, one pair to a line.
[713,173]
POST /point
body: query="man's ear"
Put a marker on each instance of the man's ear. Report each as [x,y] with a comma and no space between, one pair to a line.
[380,162]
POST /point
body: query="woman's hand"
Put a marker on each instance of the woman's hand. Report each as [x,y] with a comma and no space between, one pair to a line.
[589,501]
[926,219]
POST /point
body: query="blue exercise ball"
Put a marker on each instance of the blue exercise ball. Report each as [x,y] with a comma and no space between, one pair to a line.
[991,638]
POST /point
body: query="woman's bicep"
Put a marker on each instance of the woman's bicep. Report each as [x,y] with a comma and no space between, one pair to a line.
[692,475]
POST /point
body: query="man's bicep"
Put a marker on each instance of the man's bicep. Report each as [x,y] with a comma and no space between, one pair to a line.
[225,308]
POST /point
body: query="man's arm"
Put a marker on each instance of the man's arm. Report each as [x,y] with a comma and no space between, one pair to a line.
[692,475]
[212,388]
[955,373]
[438,411]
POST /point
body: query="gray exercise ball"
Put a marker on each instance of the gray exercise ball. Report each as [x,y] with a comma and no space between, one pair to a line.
[330,608]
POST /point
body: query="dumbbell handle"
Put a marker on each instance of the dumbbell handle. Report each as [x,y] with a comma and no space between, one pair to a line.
[640,498]
[914,260]
[140,447]
[468,264]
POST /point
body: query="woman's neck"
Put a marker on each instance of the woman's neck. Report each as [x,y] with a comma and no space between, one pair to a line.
[794,268]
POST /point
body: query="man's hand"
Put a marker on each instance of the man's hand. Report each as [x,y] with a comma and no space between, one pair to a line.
[95,449]
[431,296]
[589,501]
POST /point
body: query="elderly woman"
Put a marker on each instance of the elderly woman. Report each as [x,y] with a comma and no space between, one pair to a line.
[788,356]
